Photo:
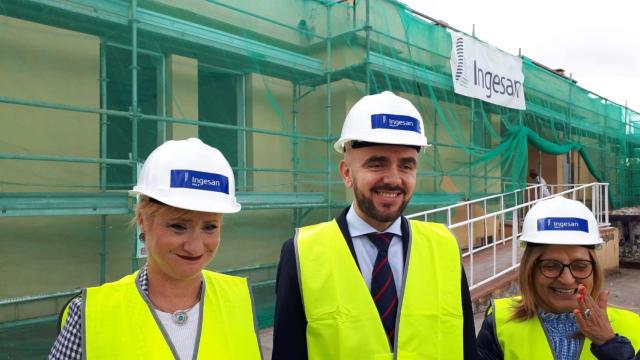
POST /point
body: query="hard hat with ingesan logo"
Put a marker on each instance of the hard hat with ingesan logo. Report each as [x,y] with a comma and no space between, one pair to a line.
[383,118]
[189,174]
[560,221]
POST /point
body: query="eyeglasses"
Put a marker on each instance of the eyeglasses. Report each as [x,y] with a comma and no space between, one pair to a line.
[580,269]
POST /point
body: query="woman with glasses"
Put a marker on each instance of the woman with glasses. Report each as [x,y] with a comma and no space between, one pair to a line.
[562,312]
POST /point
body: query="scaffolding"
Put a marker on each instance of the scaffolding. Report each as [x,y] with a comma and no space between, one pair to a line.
[92,86]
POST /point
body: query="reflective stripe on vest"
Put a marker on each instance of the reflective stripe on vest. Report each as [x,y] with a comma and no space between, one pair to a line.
[342,319]
[527,339]
[118,323]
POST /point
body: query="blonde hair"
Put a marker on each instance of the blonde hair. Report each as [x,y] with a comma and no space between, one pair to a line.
[147,208]
[527,306]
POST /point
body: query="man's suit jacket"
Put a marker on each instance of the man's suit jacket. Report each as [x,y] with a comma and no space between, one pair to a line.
[290,323]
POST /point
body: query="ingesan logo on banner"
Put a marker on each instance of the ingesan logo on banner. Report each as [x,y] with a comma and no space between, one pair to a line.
[483,72]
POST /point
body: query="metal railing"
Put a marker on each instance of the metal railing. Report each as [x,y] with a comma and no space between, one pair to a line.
[484,227]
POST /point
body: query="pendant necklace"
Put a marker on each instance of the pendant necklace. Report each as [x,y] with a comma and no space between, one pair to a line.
[180,317]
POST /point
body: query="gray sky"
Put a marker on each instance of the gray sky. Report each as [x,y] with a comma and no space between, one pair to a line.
[598,42]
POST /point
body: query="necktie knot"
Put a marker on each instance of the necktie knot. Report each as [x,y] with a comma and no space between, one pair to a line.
[381,241]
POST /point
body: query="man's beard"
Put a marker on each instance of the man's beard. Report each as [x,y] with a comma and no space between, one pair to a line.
[366,205]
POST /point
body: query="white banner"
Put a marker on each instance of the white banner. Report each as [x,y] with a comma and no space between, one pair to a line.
[483,72]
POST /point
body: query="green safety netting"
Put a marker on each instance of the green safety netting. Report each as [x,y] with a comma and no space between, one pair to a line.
[90,87]
[519,137]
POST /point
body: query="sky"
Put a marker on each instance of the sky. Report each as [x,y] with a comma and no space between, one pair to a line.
[597,42]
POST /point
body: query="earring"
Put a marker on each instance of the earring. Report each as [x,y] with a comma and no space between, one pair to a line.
[141,237]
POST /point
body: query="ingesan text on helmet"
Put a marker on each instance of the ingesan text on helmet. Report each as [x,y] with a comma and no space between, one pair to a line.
[563,224]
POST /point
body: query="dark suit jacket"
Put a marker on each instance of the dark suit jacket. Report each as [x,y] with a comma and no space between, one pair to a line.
[290,323]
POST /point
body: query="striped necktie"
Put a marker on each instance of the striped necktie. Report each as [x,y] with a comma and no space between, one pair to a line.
[383,287]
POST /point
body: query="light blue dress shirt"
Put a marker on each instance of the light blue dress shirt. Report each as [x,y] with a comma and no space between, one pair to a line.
[366,252]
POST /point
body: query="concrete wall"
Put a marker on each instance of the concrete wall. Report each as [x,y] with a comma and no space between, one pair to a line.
[581,172]
[608,254]
[43,63]
[297,14]
[52,65]
[182,95]
[269,105]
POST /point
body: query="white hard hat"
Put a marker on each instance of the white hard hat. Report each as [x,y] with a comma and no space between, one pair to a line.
[189,174]
[560,221]
[383,118]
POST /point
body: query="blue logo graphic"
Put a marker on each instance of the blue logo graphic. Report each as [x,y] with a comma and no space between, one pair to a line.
[395,122]
[198,180]
[563,224]
[460,61]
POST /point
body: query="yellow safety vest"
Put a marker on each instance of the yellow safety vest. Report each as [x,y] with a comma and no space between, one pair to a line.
[119,324]
[342,319]
[527,339]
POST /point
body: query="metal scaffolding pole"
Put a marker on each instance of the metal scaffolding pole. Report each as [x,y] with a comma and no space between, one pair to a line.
[329,70]
[134,112]
[367,31]
[103,156]
[295,159]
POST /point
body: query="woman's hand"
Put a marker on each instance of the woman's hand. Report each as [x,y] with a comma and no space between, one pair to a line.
[592,317]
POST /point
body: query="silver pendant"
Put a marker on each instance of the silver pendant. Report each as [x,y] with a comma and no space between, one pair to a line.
[180,317]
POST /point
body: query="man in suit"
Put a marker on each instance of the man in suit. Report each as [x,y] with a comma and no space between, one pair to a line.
[370,283]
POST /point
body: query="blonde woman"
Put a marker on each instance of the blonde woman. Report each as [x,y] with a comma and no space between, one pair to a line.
[562,312]
[172,308]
